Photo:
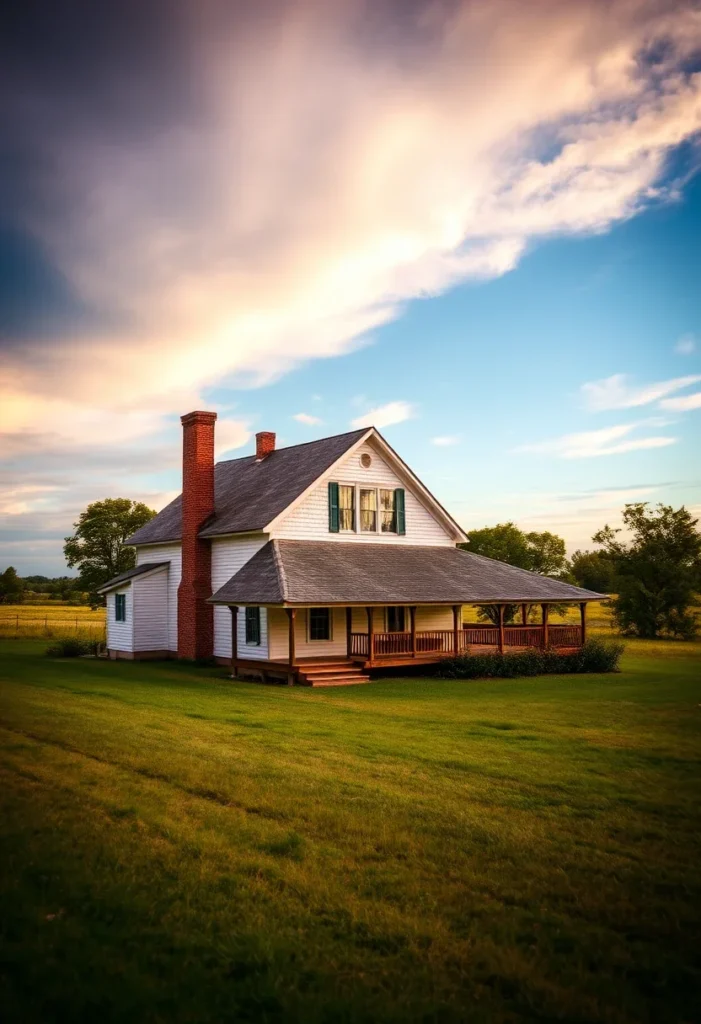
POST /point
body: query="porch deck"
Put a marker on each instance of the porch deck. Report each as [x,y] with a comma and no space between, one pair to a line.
[367,652]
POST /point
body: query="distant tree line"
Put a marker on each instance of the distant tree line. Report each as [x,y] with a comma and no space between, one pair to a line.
[16,589]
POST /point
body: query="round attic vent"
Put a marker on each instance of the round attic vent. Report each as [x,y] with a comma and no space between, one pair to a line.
[365,460]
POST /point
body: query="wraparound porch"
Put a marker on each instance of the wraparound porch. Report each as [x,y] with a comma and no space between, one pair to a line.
[350,657]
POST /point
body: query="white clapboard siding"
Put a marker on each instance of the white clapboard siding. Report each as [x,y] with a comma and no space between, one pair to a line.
[120,635]
[228,556]
[435,617]
[305,648]
[310,519]
[150,601]
[166,553]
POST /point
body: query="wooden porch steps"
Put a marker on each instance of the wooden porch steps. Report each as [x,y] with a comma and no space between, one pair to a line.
[337,673]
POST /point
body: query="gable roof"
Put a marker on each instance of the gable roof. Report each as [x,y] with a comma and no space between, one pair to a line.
[249,494]
[124,577]
[326,573]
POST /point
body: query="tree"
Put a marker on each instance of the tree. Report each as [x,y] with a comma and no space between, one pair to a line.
[593,570]
[543,553]
[11,587]
[97,547]
[657,573]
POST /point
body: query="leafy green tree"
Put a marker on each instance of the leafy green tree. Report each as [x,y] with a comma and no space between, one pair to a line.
[543,553]
[97,547]
[593,570]
[657,574]
[11,587]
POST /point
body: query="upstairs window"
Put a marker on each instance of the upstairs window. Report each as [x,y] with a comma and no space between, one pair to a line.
[253,627]
[388,516]
[120,607]
[319,624]
[346,507]
[368,510]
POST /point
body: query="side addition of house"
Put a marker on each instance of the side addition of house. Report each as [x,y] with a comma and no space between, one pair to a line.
[314,563]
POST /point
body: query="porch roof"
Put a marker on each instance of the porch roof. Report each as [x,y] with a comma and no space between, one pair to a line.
[125,577]
[297,572]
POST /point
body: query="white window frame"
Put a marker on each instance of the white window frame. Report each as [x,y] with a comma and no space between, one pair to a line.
[354,487]
[358,487]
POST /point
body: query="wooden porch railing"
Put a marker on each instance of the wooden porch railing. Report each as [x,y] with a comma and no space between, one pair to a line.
[524,636]
[442,641]
[359,643]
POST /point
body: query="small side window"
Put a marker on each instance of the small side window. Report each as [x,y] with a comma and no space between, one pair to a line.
[253,627]
[319,624]
[120,607]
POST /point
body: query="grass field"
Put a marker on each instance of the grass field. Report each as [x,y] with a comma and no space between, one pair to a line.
[24,621]
[177,847]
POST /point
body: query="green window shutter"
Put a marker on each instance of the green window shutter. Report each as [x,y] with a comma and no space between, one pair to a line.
[333,508]
[399,510]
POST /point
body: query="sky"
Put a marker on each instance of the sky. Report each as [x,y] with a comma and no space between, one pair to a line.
[475,225]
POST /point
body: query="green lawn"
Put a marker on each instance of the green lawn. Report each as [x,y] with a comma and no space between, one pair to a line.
[177,847]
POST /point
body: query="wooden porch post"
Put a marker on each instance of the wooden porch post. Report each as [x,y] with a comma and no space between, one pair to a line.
[583,616]
[524,614]
[457,608]
[545,609]
[501,628]
[412,621]
[234,639]
[371,634]
[291,614]
[349,630]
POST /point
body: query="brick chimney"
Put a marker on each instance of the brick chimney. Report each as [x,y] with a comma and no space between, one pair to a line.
[195,615]
[265,444]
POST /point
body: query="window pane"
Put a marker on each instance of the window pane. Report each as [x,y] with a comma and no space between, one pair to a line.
[388,522]
[346,507]
[368,510]
[395,620]
[319,624]
[253,626]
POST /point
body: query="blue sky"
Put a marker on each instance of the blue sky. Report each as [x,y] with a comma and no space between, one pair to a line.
[500,267]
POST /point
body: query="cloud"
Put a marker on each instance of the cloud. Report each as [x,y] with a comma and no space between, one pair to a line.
[683,403]
[616,393]
[320,177]
[445,440]
[307,419]
[385,415]
[230,434]
[686,345]
[595,443]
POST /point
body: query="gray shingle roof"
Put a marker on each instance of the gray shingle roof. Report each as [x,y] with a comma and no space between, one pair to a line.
[248,494]
[138,570]
[326,573]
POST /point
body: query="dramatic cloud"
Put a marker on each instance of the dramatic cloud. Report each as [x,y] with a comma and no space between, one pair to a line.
[594,443]
[684,403]
[307,419]
[616,393]
[257,191]
[213,193]
[385,415]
